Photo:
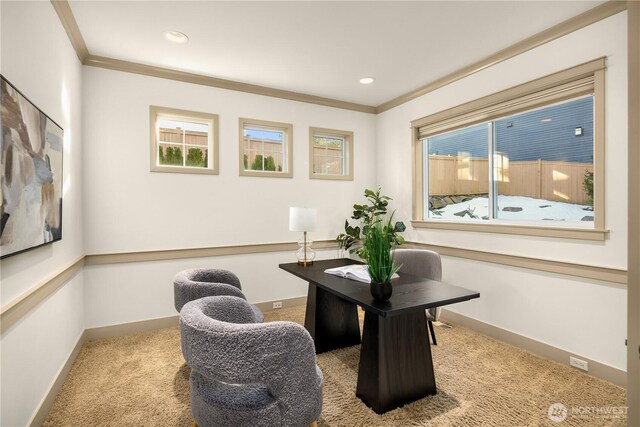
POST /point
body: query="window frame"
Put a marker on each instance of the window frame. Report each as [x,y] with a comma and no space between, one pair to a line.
[587,78]
[287,129]
[176,114]
[347,137]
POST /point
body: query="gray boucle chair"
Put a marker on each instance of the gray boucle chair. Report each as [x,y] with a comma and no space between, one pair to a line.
[245,373]
[195,283]
[422,263]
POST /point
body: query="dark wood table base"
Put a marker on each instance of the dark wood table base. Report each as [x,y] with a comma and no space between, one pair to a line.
[395,361]
[331,321]
[395,357]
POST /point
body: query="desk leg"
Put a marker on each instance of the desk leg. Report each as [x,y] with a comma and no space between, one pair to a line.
[331,321]
[395,361]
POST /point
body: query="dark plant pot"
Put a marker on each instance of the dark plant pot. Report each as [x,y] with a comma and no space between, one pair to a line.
[381,292]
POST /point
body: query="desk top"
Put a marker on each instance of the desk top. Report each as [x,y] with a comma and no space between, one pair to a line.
[409,292]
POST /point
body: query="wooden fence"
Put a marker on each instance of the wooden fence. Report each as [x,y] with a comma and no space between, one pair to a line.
[190,137]
[540,179]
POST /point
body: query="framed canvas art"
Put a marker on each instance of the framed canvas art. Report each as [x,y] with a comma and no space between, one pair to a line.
[31,176]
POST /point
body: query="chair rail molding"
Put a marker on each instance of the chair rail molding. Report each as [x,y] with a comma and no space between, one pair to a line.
[604,274]
[15,309]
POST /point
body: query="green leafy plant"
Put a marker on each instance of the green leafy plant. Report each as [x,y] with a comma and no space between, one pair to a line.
[354,237]
[257,164]
[195,157]
[172,156]
[587,185]
[261,163]
[382,266]
[269,164]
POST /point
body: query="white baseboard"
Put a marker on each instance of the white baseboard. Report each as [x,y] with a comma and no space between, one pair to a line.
[289,302]
[130,328]
[596,369]
[49,398]
[170,321]
[115,331]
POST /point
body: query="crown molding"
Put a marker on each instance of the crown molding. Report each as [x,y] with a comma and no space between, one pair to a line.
[200,79]
[70,25]
[585,19]
[63,9]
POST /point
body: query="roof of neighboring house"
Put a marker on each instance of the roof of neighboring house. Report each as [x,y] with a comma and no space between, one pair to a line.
[526,137]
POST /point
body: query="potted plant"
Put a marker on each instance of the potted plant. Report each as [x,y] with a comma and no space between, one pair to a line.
[382,266]
[354,237]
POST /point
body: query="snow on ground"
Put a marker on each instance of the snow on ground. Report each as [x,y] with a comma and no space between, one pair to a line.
[531,209]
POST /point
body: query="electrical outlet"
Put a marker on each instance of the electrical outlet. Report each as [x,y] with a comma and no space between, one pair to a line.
[277,304]
[577,363]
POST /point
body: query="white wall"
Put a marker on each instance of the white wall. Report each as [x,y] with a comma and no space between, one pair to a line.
[123,293]
[128,208]
[581,316]
[38,59]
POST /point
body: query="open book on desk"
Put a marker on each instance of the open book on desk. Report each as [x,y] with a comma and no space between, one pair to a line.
[357,272]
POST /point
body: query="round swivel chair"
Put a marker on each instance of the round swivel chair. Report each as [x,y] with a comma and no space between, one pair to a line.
[196,283]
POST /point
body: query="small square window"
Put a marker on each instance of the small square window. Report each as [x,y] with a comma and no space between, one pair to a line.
[265,149]
[330,154]
[183,141]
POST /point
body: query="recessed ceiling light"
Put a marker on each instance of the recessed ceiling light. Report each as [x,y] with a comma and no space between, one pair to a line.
[176,37]
[367,80]
[546,120]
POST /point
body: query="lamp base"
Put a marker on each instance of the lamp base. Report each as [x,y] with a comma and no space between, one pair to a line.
[305,254]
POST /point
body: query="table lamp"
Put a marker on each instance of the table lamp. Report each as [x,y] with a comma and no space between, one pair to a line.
[303,219]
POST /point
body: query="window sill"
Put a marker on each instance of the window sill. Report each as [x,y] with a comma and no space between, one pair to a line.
[525,230]
[266,174]
[331,177]
[181,169]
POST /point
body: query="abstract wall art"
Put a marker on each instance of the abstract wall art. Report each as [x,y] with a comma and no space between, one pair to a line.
[31,147]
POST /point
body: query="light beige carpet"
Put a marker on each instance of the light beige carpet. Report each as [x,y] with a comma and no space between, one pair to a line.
[142,380]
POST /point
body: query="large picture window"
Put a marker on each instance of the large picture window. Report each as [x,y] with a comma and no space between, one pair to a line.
[528,160]
[183,141]
[330,154]
[265,148]
[542,163]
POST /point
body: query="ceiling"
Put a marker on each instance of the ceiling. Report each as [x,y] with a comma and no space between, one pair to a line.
[317,47]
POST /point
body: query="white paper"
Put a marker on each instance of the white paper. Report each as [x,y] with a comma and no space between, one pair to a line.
[357,272]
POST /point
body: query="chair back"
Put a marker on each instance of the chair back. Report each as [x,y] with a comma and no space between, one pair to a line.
[195,283]
[419,262]
[243,370]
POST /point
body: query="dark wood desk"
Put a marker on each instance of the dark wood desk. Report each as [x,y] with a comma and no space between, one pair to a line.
[395,357]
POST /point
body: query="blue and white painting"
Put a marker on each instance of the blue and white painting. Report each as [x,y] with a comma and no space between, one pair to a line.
[31,146]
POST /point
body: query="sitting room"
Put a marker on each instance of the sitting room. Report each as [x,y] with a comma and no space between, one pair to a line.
[320,213]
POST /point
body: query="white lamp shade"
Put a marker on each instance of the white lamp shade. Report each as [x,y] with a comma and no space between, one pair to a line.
[302,219]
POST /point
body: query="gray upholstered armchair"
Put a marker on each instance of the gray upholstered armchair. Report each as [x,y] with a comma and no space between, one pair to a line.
[245,373]
[422,263]
[195,283]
